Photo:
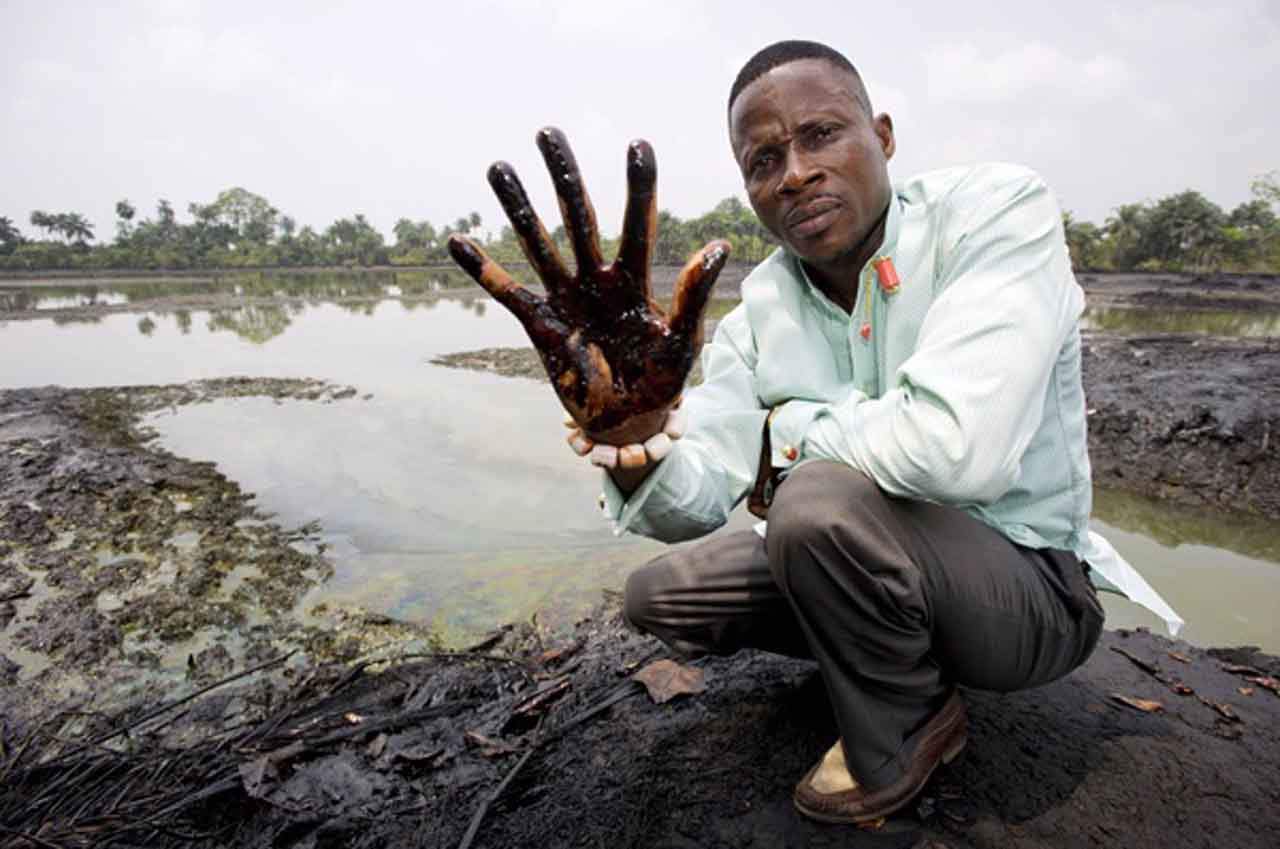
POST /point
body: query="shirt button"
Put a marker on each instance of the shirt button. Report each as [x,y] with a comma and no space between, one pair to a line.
[790,452]
[601,500]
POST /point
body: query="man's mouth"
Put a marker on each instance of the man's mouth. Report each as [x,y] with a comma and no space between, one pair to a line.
[813,217]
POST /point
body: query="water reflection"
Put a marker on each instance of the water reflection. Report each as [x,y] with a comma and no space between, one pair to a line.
[64,320]
[326,285]
[1172,525]
[381,348]
[450,497]
[259,323]
[1208,322]
[1221,572]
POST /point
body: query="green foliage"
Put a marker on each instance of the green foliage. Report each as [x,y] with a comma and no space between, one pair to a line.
[71,227]
[10,238]
[1184,232]
[240,229]
[1266,188]
[354,241]
[1084,242]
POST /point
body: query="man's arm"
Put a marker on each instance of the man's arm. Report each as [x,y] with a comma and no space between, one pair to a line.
[966,404]
[692,491]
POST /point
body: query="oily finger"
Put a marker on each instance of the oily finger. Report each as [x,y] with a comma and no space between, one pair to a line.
[534,241]
[693,287]
[640,221]
[542,325]
[575,206]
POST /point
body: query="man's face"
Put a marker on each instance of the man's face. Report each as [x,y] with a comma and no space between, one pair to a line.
[815,164]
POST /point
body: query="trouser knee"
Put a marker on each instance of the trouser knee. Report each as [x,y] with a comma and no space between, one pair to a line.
[637,597]
[816,509]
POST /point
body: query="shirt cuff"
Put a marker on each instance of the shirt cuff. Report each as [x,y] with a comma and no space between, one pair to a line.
[787,429]
[622,511]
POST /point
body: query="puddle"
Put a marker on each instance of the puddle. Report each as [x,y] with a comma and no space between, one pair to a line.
[375,346]
[32,662]
[1239,323]
[1222,573]
[162,576]
[71,293]
[449,497]
[185,541]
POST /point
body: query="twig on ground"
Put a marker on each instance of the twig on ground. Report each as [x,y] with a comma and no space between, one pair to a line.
[478,817]
[1144,665]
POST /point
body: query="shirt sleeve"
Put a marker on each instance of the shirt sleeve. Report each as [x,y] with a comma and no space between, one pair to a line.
[713,466]
[963,408]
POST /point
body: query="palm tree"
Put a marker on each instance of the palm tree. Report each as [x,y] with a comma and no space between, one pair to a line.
[1124,230]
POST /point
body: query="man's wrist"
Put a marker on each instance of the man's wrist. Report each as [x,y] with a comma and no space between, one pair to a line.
[628,465]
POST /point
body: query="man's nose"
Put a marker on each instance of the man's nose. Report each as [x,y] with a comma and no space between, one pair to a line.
[800,171]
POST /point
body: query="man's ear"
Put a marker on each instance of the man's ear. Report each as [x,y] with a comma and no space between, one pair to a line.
[884,131]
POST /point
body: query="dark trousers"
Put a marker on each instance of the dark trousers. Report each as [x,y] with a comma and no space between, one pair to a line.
[897,600]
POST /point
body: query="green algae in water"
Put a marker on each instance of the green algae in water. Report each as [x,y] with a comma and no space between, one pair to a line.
[1131,320]
[1172,525]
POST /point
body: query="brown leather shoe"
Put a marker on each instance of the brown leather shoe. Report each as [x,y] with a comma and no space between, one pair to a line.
[943,737]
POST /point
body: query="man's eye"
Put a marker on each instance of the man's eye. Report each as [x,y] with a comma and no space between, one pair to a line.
[762,163]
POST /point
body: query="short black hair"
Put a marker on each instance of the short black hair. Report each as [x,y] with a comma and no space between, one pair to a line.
[783,52]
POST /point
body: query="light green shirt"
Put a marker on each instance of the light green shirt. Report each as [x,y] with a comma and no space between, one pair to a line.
[966,390]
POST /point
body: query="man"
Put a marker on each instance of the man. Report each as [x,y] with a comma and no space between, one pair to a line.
[900,391]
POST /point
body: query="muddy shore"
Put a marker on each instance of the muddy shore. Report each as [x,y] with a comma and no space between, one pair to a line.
[120,563]
[517,742]
[119,560]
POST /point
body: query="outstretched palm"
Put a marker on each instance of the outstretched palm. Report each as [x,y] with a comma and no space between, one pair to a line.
[617,360]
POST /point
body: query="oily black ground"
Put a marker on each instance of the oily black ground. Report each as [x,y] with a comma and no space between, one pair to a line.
[410,755]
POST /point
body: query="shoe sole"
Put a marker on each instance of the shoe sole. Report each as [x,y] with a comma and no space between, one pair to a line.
[947,757]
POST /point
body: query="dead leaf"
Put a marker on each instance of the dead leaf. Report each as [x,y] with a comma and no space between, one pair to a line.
[1182,689]
[1240,669]
[421,755]
[1224,710]
[376,745]
[1245,691]
[353,718]
[1181,658]
[1144,705]
[872,825]
[666,679]
[1272,684]
[260,775]
[488,747]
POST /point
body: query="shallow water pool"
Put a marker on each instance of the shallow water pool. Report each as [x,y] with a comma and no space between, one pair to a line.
[449,496]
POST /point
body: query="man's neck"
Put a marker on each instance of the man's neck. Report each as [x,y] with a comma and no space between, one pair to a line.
[838,279]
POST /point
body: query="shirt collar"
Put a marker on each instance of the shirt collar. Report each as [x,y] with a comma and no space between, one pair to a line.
[888,245]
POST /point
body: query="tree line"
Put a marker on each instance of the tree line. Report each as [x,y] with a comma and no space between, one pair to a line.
[240,229]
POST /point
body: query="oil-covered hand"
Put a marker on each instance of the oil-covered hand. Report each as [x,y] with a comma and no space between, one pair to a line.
[616,359]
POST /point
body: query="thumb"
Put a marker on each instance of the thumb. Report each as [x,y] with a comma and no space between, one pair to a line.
[694,285]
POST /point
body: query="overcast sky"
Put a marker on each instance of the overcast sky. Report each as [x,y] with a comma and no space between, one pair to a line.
[397,109]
